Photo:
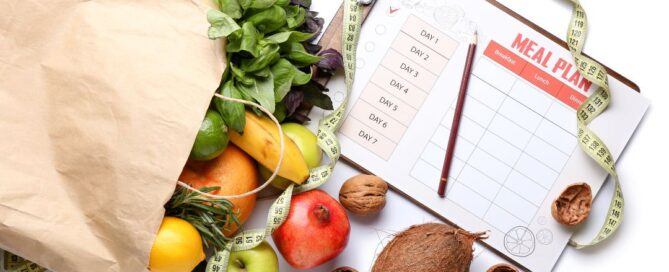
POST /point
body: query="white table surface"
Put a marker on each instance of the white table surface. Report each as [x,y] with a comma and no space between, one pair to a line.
[627,36]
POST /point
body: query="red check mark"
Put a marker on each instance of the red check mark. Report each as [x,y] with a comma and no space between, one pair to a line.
[392,10]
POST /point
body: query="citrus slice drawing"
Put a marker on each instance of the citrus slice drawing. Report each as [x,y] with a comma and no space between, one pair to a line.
[519,241]
[545,236]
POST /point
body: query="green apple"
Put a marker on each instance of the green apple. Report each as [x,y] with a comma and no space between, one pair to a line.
[258,259]
[307,142]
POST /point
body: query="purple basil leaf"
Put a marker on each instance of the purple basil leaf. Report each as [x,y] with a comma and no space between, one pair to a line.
[331,60]
[302,3]
[314,95]
[312,48]
[293,100]
[298,117]
[312,24]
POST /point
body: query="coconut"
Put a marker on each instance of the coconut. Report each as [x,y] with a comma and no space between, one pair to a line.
[428,247]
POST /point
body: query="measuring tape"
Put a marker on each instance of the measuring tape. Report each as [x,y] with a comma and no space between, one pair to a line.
[14,263]
[327,140]
[588,111]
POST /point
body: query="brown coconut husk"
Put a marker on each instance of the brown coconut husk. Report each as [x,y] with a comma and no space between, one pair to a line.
[430,247]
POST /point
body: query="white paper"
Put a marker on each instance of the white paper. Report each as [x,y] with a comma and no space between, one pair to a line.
[517,148]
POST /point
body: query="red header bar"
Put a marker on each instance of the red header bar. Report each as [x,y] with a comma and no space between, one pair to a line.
[534,75]
[571,97]
[541,79]
[505,57]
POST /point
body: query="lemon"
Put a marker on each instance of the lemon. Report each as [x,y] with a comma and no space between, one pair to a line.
[211,139]
[177,248]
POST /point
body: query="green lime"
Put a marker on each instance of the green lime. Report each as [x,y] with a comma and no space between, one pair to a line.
[212,138]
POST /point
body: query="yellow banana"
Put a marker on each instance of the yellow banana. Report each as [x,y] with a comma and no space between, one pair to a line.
[261,141]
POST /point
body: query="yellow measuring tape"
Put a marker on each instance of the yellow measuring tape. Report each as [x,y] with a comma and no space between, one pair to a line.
[327,140]
[588,111]
[14,263]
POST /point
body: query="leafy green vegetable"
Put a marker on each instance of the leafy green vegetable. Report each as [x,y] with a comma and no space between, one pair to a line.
[244,39]
[240,75]
[262,90]
[294,16]
[301,78]
[268,54]
[263,73]
[221,24]
[256,4]
[230,7]
[232,112]
[292,36]
[298,55]
[268,20]
[270,57]
[284,73]
[282,3]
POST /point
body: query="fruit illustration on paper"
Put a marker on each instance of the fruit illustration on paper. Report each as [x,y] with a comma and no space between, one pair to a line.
[211,139]
[316,230]
[234,172]
[177,247]
[261,258]
[261,141]
[307,142]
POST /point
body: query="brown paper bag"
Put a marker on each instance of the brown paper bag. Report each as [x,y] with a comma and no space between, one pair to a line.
[100,102]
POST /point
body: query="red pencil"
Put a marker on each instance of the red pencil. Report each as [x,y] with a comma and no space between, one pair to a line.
[455,126]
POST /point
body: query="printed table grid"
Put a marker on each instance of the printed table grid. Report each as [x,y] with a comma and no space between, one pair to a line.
[380,117]
[519,194]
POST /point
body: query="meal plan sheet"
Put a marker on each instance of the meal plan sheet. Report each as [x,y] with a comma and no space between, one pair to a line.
[517,147]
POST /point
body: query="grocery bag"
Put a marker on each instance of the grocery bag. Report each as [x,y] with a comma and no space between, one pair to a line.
[100,102]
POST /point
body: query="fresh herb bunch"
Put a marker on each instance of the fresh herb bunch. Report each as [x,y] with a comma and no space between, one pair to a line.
[270,57]
[211,217]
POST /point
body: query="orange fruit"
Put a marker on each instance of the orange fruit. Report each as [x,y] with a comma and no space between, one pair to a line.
[234,172]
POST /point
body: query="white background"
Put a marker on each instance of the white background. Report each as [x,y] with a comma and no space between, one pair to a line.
[628,36]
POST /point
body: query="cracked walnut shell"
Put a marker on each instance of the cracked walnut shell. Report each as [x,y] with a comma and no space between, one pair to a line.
[573,205]
[344,269]
[502,268]
[363,194]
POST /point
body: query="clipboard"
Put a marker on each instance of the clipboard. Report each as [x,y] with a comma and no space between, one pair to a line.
[331,39]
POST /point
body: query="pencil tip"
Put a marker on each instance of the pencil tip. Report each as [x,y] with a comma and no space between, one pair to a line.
[475,37]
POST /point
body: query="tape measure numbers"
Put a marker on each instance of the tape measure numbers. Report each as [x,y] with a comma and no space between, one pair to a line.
[14,263]
[588,111]
[327,140]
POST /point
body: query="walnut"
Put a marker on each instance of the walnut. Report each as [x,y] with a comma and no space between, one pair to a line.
[573,205]
[363,194]
[502,268]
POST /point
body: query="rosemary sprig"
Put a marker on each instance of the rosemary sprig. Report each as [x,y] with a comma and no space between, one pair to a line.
[209,216]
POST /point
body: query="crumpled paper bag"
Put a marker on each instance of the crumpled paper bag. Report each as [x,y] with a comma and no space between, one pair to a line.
[100,102]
